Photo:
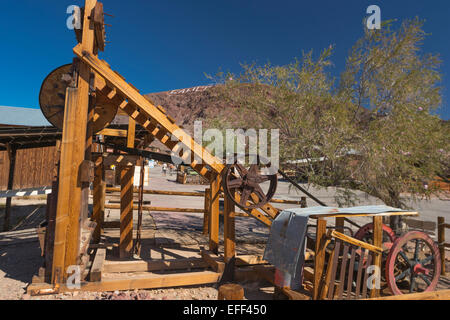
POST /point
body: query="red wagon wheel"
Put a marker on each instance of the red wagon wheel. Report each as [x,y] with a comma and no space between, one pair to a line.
[413,264]
[365,233]
[239,183]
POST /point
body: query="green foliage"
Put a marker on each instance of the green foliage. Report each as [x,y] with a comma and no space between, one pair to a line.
[375,129]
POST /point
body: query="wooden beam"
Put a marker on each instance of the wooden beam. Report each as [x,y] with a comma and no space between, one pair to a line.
[147,281]
[69,208]
[174,264]
[159,209]
[119,160]
[377,242]
[229,230]
[113,132]
[213,261]
[154,265]
[98,265]
[99,194]
[66,172]
[319,261]
[356,242]
[214,214]
[339,224]
[206,214]
[433,295]
[131,133]
[11,152]
[441,241]
[126,212]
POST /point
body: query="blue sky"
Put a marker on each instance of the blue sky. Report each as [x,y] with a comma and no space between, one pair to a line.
[171,44]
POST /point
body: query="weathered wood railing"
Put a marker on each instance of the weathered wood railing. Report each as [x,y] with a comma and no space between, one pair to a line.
[441,240]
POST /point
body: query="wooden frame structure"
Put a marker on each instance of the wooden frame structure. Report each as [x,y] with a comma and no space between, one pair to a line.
[79,166]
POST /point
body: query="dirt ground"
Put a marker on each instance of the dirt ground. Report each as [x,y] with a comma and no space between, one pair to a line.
[20,253]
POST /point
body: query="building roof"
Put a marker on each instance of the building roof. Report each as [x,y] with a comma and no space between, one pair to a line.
[18,116]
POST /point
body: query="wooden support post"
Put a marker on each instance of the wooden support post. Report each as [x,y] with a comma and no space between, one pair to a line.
[319,262]
[99,193]
[303,203]
[66,171]
[441,242]
[206,214]
[229,230]
[214,215]
[231,291]
[131,133]
[11,151]
[229,240]
[73,151]
[339,224]
[126,212]
[137,244]
[378,242]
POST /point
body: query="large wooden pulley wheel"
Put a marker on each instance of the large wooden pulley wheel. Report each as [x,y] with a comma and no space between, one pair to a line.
[245,185]
[52,97]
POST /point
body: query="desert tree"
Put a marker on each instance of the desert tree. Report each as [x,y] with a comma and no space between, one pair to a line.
[375,130]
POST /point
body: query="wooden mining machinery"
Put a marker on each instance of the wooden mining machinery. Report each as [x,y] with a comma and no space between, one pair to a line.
[82,99]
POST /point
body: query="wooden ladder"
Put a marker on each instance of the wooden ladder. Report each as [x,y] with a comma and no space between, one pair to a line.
[113,87]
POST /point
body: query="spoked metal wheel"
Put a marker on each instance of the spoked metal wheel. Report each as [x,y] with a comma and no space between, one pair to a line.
[413,264]
[244,184]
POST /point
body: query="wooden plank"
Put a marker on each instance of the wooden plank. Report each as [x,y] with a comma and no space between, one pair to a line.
[319,255]
[120,160]
[148,281]
[213,261]
[113,132]
[87,232]
[360,272]
[206,214]
[327,289]
[229,230]
[64,188]
[433,295]
[158,209]
[126,212]
[377,242]
[69,208]
[131,133]
[214,215]
[343,271]
[99,194]
[441,242]
[356,242]
[420,224]
[339,224]
[348,215]
[154,265]
[98,265]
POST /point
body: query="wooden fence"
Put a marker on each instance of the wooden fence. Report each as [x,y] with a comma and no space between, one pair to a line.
[33,168]
[441,240]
